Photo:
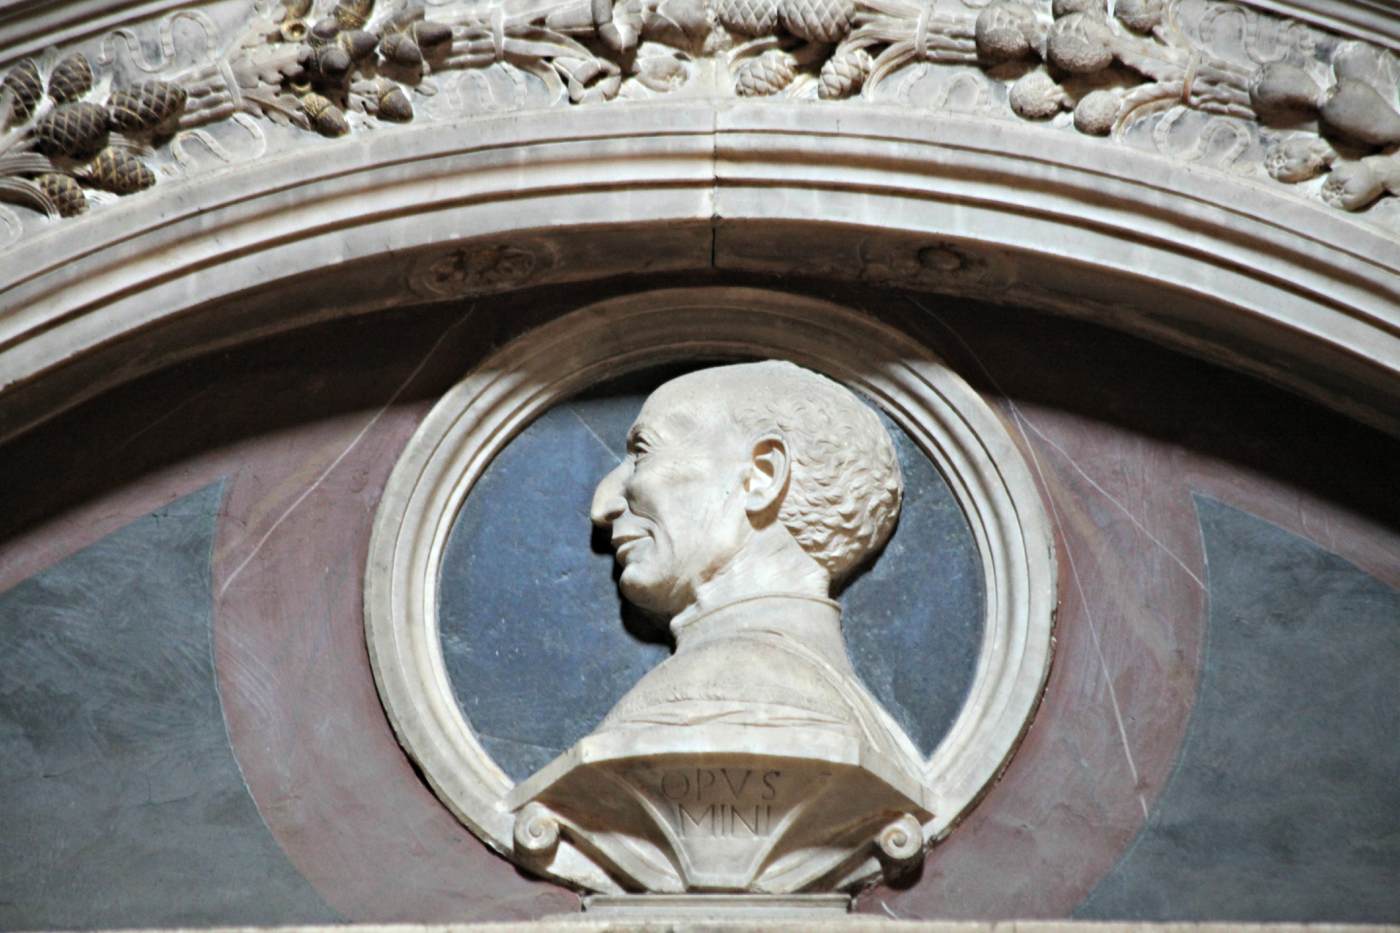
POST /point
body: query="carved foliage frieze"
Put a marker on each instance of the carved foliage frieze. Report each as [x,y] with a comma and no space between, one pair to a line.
[1196,79]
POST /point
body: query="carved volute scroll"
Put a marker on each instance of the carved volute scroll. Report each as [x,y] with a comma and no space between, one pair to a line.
[753,760]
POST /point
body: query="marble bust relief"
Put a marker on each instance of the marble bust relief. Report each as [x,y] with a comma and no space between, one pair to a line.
[753,759]
[587,475]
[747,493]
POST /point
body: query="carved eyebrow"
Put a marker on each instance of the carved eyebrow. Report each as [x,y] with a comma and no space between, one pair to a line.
[661,429]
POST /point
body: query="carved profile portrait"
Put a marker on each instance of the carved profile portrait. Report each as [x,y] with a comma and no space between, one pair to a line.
[778,741]
[748,493]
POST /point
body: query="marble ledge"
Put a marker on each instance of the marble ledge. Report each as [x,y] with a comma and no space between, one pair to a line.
[582,923]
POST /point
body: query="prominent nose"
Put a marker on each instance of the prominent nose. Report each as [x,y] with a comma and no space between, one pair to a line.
[608,501]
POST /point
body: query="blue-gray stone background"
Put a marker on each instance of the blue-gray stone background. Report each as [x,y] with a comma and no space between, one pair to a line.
[539,645]
[121,802]
[1284,804]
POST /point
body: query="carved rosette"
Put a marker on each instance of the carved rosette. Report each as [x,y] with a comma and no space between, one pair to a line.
[481,270]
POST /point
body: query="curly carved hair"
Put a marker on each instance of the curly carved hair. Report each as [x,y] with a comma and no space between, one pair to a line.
[845,486]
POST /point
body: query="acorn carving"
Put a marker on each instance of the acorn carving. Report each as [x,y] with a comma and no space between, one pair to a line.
[65,193]
[292,30]
[293,26]
[119,172]
[353,14]
[325,116]
[25,89]
[394,104]
[401,50]
[147,106]
[71,78]
[323,31]
[429,35]
[296,9]
[357,44]
[332,62]
[77,130]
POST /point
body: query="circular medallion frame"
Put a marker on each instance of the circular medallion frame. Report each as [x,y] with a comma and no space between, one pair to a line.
[477,418]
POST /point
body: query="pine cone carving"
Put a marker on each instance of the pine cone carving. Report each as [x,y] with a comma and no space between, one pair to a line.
[749,17]
[119,172]
[145,106]
[818,20]
[325,116]
[25,88]
[66,194]
[844,73]
[71,78]
[78,130]
[767,74]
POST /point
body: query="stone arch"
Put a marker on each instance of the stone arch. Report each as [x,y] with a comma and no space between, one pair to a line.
[1235,270]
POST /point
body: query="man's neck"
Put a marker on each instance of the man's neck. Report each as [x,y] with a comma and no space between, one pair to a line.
[770,584]
[770,562]
[812,622]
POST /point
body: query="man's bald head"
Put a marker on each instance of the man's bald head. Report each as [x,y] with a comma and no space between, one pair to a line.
[845,486]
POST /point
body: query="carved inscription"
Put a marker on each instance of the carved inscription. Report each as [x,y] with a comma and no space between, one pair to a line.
[722,802]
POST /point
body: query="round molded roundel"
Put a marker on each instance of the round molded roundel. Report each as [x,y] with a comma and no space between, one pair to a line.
[446,614]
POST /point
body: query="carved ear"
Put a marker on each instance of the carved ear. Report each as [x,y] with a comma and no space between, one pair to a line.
[767,475]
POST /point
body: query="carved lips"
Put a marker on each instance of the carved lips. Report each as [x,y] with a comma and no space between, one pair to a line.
[625,543]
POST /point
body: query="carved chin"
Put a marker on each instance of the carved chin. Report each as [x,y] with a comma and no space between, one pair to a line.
[646,594]
[636,591]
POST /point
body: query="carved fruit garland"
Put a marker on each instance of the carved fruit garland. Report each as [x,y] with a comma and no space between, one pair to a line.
[1082,41]
[311,71]
[319,64]
[58,138]
[61,138]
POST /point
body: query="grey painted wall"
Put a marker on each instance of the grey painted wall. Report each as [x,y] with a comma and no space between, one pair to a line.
[1285,801]
[121,799]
